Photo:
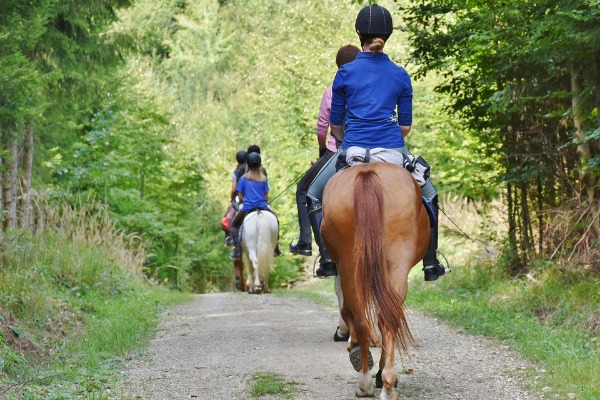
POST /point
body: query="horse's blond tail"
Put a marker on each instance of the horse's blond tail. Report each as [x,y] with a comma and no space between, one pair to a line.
[372,272]
[264,250]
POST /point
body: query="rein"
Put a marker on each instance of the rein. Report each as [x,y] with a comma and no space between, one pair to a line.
[477,242]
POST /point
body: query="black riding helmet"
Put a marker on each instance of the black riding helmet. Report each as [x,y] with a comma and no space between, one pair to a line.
[253,148]
[241,156]
[254,160]
[374,21]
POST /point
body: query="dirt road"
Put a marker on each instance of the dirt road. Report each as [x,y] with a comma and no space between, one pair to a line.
[211,347]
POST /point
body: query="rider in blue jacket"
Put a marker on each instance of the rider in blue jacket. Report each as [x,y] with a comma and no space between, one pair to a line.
[376,94]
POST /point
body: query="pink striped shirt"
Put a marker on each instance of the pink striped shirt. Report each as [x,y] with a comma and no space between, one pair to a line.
[323,121]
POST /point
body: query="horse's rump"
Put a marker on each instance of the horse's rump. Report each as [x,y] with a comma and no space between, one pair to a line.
[259,239]
[376,230]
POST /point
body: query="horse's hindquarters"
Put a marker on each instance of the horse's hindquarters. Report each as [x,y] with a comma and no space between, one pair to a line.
[259,239]
[376,230]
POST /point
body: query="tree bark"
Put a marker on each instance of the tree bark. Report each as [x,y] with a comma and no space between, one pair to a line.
[27,176]
[142,181]
[596,70]
[10,188]
[540,215]
[525,223]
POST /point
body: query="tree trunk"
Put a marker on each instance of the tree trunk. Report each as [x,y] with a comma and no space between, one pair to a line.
[584,151]
[525,224]
[27,176]
[540,215]
[596,78]
[142,185]
[583,148]
[10,185]
[512,231]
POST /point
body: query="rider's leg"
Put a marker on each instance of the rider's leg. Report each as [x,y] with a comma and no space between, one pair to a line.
[327,267]
[304,245]
[432,268]
[230,213]
[234,231]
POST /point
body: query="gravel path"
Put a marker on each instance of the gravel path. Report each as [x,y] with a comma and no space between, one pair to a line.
[211,347]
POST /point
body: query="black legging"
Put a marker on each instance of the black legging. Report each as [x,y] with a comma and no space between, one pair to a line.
[301,190]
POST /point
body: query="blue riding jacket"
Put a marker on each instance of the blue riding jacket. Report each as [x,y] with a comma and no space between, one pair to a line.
[254,193]
[372,88]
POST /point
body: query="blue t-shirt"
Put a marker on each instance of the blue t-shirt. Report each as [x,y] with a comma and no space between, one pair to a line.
[372,87]
[254,193]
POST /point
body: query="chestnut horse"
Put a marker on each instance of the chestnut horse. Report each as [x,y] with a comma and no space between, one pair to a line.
[376,229]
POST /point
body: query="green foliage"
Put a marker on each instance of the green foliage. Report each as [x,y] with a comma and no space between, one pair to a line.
[76,315]
[509,73]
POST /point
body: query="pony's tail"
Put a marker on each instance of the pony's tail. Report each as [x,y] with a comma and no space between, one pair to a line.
[379,299]
[264,251]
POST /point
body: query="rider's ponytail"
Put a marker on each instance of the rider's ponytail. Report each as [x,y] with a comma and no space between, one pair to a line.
[376,45]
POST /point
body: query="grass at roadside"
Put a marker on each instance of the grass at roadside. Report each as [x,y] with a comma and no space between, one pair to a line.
[268,383]
[69,315]
[481,302]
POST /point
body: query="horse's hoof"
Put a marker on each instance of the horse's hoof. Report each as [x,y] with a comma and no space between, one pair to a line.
[379,381]
[238,284]
[355,357]
[365,386]
[339,338]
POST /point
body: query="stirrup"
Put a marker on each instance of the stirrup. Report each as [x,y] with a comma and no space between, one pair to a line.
[434,271]
[236,254]
[315,269]
[294,248]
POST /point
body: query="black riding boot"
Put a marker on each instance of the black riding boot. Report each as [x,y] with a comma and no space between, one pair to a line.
[431,266]
[236,254]
[303,246]
[327,267]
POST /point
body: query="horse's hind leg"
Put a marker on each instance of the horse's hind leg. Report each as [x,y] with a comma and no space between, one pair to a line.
[387,370]
[239,275]
[253,278]
[256,284]
[341,332]
[349,320]
[365,381]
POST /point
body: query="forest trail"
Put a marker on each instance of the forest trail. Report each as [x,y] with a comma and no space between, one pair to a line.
[211,347]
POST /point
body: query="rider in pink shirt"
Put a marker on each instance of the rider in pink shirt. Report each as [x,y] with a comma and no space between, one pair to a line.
[323,124]
[327,149]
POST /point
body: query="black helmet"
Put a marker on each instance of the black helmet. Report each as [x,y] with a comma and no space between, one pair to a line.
[253,149]
[241,156]
[254,160]
[373,21]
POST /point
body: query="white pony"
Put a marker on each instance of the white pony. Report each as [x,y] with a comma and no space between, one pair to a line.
[259,238]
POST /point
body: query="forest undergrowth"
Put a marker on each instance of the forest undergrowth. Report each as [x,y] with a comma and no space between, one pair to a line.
[73,305]
[549,312]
